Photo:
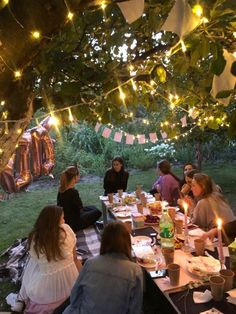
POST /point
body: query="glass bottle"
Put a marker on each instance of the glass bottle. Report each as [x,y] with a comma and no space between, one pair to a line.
[166,230]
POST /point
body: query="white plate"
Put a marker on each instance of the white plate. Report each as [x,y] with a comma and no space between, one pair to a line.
[123,215]
[151,265]
[196,232]
[120,209]
[141,240]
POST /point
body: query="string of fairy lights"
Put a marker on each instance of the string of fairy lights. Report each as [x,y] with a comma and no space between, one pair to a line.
[172,99]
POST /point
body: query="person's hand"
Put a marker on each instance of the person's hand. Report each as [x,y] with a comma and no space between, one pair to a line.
[185,189]
[210,234]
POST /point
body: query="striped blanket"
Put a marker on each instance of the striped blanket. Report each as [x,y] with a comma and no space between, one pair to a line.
[16,256]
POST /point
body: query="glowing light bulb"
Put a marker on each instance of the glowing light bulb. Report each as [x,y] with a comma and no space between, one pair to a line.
[103,5]
[2,102]
[166,122]
[19,131]
[197,9]
[171,97]
[204,20]
[234,54]
[1,151]
[122,94]
[53,120]
[100,119]
[184,48]
[5,2]
[70,16]
[131,114]
[133,85]
[172,105]
[234,34]
[152,83]
[17,74]
[71,118]
[36,34]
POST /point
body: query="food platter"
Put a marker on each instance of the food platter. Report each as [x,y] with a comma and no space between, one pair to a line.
[123,214]
[203,266]
[141,240]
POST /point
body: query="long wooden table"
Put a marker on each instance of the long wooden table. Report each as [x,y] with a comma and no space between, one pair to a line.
[180,258]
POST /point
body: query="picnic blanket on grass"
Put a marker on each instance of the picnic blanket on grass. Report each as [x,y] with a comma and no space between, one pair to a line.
[16,256]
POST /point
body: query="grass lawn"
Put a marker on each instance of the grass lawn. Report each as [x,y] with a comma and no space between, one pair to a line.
[18,214]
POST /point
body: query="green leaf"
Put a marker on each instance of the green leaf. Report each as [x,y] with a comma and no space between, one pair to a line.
[224,93]
[195,57]
[218,65]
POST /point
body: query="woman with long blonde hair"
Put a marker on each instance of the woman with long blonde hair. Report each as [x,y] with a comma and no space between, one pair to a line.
[76,215]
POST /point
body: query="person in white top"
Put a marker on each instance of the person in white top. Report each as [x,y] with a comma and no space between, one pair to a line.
[53,266]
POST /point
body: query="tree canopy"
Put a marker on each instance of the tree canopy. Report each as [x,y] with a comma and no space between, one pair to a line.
[82,58]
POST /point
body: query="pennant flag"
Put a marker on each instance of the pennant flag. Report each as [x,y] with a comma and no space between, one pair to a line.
[184,121]
[181,19]
[97,126]
[118,137]
[129,139]
[106,132]
[131,10]
[163,135]
[153,137]
[141,139]
[226,80]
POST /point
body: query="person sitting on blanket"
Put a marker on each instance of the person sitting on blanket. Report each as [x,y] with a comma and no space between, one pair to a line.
[53,265]
[110,282]
[76,215]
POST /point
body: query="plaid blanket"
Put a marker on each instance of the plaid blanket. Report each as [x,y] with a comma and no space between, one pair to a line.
[88,245]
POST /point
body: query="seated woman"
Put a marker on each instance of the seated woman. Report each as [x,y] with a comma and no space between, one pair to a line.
[228,232]
[168,184]
[116,178]
[210,203]
[187,167]
[76,215]
[110,282]
[53,266]
[186,188]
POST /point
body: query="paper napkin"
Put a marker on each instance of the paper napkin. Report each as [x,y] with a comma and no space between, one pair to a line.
[202,297]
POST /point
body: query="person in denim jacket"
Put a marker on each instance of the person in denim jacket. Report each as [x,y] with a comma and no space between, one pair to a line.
[110,282]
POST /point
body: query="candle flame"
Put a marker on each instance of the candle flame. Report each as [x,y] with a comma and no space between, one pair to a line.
[219,223]
[185,206]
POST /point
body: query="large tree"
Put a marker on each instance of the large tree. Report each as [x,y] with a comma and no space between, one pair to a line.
[91,59]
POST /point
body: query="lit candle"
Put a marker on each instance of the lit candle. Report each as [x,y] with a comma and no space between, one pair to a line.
[185,206]
[221,255]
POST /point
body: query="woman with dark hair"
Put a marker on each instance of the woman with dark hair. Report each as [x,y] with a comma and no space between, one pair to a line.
[186,187]
[76,215]
[53,266]
[210,203]
[168,184]
[116,178]
[110,282]
[188,166]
